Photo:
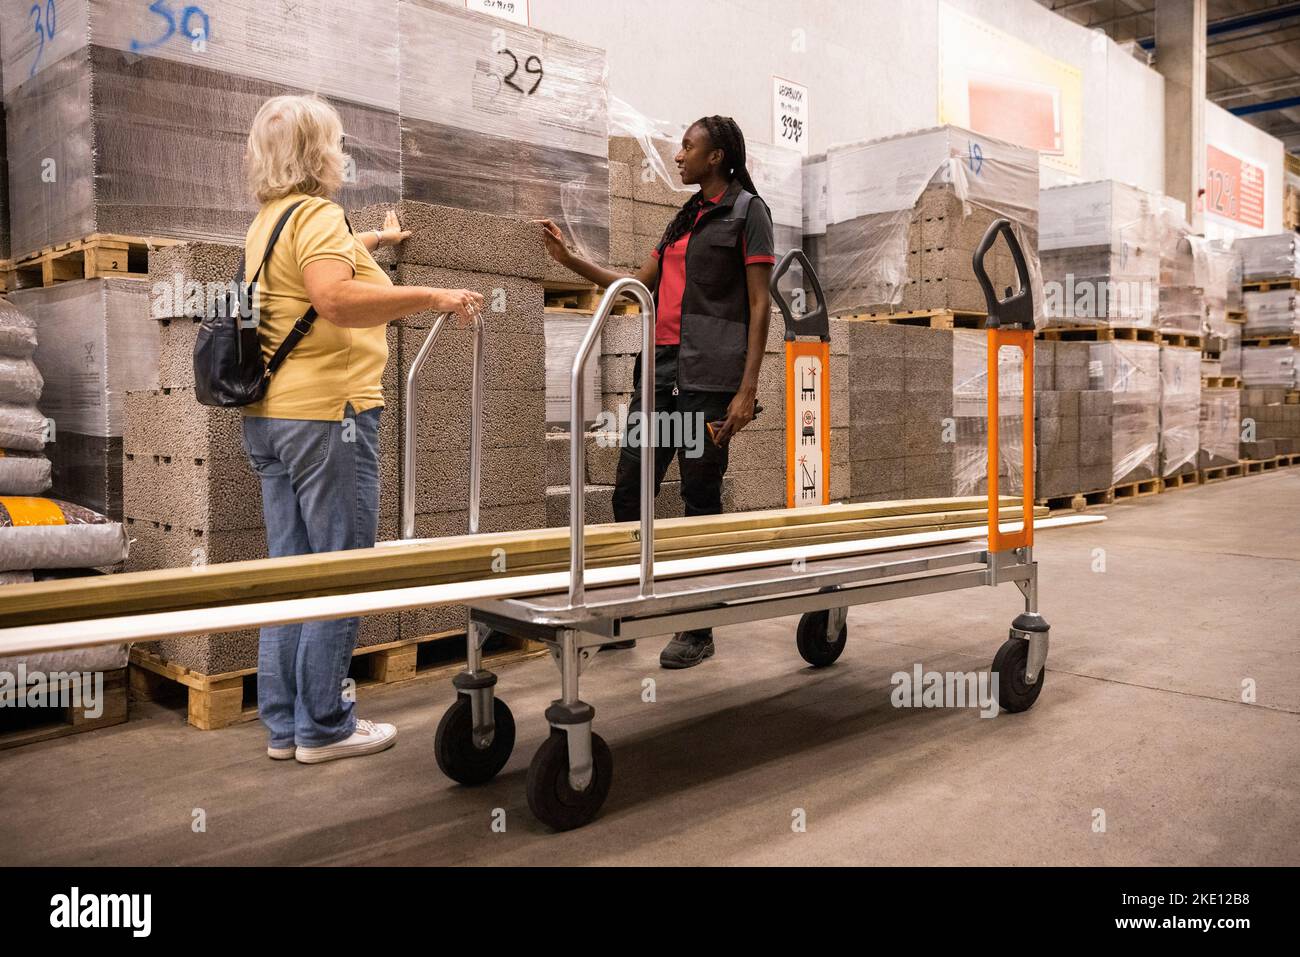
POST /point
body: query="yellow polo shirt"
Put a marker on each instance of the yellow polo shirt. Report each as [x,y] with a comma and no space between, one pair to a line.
[331,366]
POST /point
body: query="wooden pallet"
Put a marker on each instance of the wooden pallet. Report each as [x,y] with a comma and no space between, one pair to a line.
[1079,501]
[1138,489]
[1098,334]
[582,299]
[1293,341]
[1218,473]
[1220,382]
[8,277]
[218,701]
[927,318]
[1288,461]
[1181,339]
[1264,285]
[1183,479]
[1238,316]
[19,726]
[97,256]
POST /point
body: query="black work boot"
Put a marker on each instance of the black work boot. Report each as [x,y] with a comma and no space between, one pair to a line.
[687,649]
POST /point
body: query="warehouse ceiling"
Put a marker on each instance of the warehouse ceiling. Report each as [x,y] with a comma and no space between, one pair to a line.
[1253,65]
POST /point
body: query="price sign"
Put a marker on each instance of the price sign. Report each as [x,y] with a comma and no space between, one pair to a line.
[790,115]
[1234,188]
[516,11]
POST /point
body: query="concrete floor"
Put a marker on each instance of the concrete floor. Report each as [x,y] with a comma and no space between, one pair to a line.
[1141,717]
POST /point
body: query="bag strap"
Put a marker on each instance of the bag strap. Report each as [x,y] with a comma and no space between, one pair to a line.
[275,235]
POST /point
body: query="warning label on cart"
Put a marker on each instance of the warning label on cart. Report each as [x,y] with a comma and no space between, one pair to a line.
[808,454]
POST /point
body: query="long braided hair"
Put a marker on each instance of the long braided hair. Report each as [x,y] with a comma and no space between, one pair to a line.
[725,135]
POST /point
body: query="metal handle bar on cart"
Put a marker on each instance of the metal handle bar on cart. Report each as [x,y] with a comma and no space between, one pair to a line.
[816,323]
[1011,323]
[411,414]
[648,430]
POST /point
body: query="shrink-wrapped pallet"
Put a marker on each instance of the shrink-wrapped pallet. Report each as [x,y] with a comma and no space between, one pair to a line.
[126,117]
[1130,371]
[1180,409]
[1269,257]
[1220,427]
[1263,366]
[1274,312]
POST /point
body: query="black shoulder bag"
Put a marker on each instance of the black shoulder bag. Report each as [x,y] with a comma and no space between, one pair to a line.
[228,368]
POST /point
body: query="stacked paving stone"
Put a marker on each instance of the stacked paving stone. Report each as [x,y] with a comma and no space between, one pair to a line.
[191,497]
[95,344]
[1180,410]
[1219,431]
[1073,423]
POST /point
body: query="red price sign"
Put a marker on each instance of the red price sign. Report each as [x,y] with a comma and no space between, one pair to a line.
[1234,188]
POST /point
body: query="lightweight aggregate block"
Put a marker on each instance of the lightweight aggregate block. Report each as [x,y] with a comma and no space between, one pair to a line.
[1063,455]
[1094,477]
[927,374]
[161,545]
[461,239]
[210,265]
[512,418]
[840,408]
[1047,430]
[507,477]
[840,446]
[1051,483]
[876,476]
[650,219]
[877,407]
[420,622]
[758,489]
[925,471]
[620,183]
[497,518]
[876,373]
[214,494]
[1095,402]
[598,505]
[1057,404]
[756,451]
[511,360]
[882,440]
[172,422]
[621,335]
[511,303]
[1044,366]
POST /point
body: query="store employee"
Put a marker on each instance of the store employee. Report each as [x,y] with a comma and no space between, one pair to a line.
[709,275]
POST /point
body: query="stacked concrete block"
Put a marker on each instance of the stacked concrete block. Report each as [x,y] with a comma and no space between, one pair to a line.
[1073,423]
[1275,256]
[1219,429]
[1180,410]
[1270,366]
[1058,436]
[898,236]
[1267,416]
[145,117]
[95,343]
[482,129]
[1096,445]
[1130,372]
[1275,312]
[642,203]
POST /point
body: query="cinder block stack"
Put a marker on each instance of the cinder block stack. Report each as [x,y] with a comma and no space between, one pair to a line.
[1180,410]
[191,496]
[1130,372]
[1268,417]
[482,129]
[502,259]
[145,121]
[1276,256]
[642,204]
[95,343]
[1220,427]
[898,237]
[1275,312]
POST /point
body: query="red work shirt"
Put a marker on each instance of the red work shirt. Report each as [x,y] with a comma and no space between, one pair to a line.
[672,282]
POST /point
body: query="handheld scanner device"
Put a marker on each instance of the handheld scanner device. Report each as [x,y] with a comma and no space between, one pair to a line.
[816,323]
[1016,311]
[1010,323]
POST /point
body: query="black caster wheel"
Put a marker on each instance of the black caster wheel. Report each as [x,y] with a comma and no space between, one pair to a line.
[1014,695]
[453,743]
[550,796]
[811,637]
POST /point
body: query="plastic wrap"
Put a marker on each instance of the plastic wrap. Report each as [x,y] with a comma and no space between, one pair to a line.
[23,473]
[970,413]
[1220,426]
[1230,356]
[17,331]
[1269,366]
[905,213]
[1130,371]
[1274,312]
[144,110]
[1269,257]
[504,119]
[96,342]
[1216,268]
[1182,309]
[1180,409]
[23,428]
[46,533]
[1100,246]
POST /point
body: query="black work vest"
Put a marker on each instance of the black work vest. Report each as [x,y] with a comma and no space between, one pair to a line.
[715,303]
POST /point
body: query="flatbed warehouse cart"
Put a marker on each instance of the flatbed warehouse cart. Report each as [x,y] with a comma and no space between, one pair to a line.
[570,775]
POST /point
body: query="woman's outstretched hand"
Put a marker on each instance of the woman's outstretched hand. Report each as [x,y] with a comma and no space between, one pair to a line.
[392,233]
[465,304]
[556,247]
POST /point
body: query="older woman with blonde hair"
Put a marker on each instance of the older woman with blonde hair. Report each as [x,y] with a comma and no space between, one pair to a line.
[314,437]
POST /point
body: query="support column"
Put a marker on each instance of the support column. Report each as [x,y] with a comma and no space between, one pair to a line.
[1180,58]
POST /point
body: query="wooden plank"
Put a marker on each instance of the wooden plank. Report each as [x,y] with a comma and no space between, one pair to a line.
[457,558]
[18,728]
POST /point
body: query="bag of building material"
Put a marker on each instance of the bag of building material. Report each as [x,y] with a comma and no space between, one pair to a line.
[22,428]
[17,332]
[20,381]
[47,533]
[28,671]
[23,473]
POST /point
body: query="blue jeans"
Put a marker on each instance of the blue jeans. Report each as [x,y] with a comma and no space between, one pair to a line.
[320,493]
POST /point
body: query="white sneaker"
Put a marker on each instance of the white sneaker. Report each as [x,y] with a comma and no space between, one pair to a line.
[280,754]
[368,738]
